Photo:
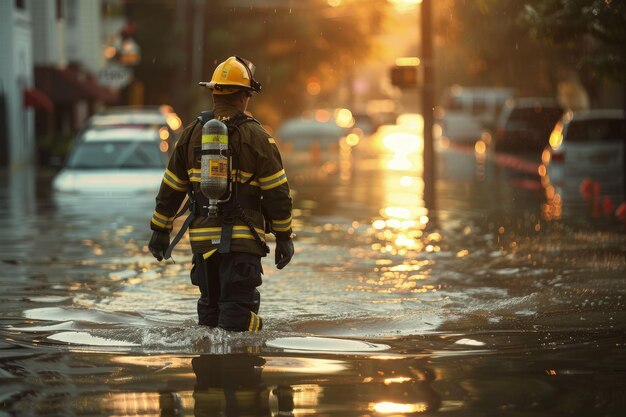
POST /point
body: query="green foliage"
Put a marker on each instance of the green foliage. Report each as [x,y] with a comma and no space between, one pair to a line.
[570,22]
[487,44]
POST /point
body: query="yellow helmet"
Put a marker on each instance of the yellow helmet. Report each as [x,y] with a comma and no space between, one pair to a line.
[232,75]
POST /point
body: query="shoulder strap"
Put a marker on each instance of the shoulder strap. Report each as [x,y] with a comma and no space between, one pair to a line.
[205,116]
[240,119]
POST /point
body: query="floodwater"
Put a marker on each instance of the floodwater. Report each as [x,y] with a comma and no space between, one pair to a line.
[499,301]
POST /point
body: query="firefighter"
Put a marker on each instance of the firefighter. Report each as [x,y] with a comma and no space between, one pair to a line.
[227,243]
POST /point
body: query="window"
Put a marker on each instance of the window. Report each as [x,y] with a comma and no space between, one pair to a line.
[71,7]
[59,9]
[117,155]
[596,130]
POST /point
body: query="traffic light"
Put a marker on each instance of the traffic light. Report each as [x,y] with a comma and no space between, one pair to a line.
[404,76]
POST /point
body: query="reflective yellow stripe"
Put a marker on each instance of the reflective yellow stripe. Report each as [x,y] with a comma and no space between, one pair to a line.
[175,178]
[239,228]
[162,217]
[215,233]
[206,233]
[286,221]
[267,183]
[244,177]
[205,229]
[161,225]
[161,220]
[271,140]
[255,323]
[243,236]
[174,186]
[274,185]
[208,254]
[271,177]
[213,138]
[253,183]
[194,174]
[281,225]
[281,228]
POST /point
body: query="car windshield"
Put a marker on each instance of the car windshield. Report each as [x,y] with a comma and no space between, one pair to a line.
[597,130]
[117,154]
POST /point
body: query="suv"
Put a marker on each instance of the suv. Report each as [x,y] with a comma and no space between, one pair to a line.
[468,111]
[525,123]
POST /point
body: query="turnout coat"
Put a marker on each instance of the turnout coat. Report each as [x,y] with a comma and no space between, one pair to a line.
[258,175]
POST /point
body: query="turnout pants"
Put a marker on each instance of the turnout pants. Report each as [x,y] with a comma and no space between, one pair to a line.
[228,295]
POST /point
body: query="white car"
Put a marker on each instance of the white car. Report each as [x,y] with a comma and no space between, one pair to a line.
[467,112]
[113,162]
[300,134]
[585,148]
[164,117]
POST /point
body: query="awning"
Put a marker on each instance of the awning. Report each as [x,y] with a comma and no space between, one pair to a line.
[37,99]
[69,85]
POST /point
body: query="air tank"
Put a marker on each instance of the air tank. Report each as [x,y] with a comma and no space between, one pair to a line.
[215,164]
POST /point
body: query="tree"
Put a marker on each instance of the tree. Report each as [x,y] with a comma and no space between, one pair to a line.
[288,42]
[598,26]
[483,42]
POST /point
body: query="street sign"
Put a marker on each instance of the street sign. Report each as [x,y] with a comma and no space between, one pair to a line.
[115,76]
[404,76]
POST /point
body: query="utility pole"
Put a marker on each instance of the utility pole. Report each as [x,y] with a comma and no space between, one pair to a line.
[428,103]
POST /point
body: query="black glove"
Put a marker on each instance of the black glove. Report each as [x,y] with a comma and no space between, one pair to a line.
[159,242]
[283,253]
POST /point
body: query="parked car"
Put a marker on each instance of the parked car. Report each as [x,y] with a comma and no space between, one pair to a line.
[525,123]
[163,117]
[365,123]
[301,134]
[112,161]
[466,112]
[588,146]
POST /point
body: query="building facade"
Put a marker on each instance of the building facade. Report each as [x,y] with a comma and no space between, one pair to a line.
[51,51]
[17,135]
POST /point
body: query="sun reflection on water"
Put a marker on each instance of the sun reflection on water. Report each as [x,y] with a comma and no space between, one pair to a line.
[402,228]
[389,407]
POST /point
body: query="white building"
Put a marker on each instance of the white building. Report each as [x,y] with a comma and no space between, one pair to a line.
[49,53]
[83,34]
[17,135]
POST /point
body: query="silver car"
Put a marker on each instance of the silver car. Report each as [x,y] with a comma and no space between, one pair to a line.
[585,158]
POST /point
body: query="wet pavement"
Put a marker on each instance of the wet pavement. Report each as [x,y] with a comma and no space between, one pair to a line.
[501,299]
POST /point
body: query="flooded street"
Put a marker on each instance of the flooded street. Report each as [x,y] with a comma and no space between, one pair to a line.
[498,300]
